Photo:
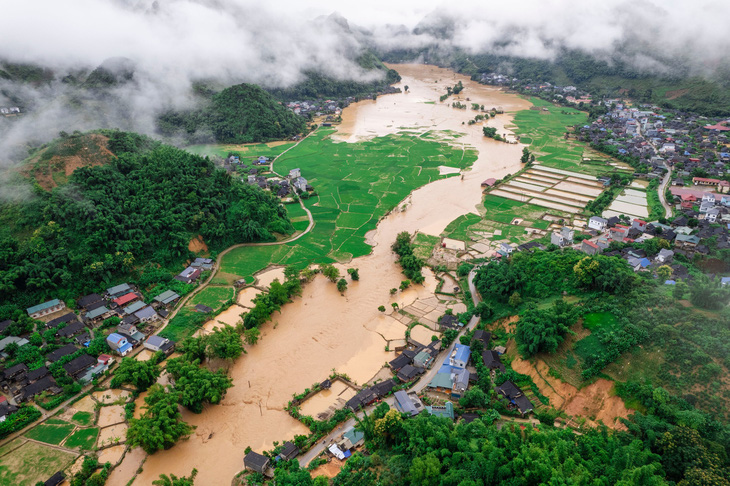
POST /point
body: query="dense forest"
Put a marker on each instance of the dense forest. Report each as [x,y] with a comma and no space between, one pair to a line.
[130,216]
[243,113]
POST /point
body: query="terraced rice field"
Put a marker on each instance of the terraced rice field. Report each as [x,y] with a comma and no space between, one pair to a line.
[552,188]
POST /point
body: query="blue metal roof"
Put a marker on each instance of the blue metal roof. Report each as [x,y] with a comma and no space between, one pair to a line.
[124,349]
[462,353]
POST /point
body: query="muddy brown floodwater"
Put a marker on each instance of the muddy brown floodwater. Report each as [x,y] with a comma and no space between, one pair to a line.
[324,330]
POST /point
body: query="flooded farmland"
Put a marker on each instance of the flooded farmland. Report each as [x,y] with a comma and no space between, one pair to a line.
[325,330]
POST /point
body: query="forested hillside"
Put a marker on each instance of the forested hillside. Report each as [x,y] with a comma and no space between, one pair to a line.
[320,86]
[243,113]
[137,212]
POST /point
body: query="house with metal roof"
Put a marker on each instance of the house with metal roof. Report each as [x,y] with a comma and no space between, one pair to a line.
[447,410]
[45,308]
[256,462]
[98,313]
[158,343]
[167,297]
[423,360]
[126,298]
[118,343]
[132,308]
[459,356]
[352,438]
[147,314]
[404,404]
[118,290]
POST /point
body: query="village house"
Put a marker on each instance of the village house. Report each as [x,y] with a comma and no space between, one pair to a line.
[6,408]
[166,298]
[68,317]
[147,314]
[79,365]
[459,356]
[189,275]
[90,302]
[563,238]
[450,380]
[597,223]
[515,397]
[492,361]
[54,356]
[46,384]
[407,403]
[288,451]
[408,373]
[256,462]
[664,256]
[118,291]
[483,337]
[119,344]
[134,307]
[352,438]
[204,264]
[589,248]
[423,359]
[46,308]
[449,321]
[157,343]
[98,314]
[446,410]
[70,330]
[686,242]
[11,339]
[126,299]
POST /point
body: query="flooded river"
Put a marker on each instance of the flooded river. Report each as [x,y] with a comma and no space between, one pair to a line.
[324,330]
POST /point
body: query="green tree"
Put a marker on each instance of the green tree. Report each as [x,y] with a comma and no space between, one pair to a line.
[354,274]
[251,336]
[525,156]
[425,470]
[708,293]
[161,424]
[543,330]
[515,299]
[341,285]
[330,271]
[679,290]
[140,374]
[405,284]
[664,272]
[224,343]
[197,385]
[173,480]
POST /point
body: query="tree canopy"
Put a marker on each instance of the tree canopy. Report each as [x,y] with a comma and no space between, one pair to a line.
[161,425]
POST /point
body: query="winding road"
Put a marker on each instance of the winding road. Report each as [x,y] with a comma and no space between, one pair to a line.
[662,189]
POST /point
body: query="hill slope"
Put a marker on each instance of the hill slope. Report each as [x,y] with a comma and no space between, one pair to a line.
[243,113]
[137,212]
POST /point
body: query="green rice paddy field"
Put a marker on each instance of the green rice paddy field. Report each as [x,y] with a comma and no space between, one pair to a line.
[269,150]
[356,184]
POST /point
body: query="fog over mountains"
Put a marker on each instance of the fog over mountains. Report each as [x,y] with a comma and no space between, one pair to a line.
[152,52]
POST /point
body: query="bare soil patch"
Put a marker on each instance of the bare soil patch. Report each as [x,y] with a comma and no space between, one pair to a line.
[197,245]
[676,93]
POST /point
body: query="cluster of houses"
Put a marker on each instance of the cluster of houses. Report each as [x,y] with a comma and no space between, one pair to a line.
[650,137]
[682,238]
[20,384]
[9,110]
[294,183]
[690,144]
